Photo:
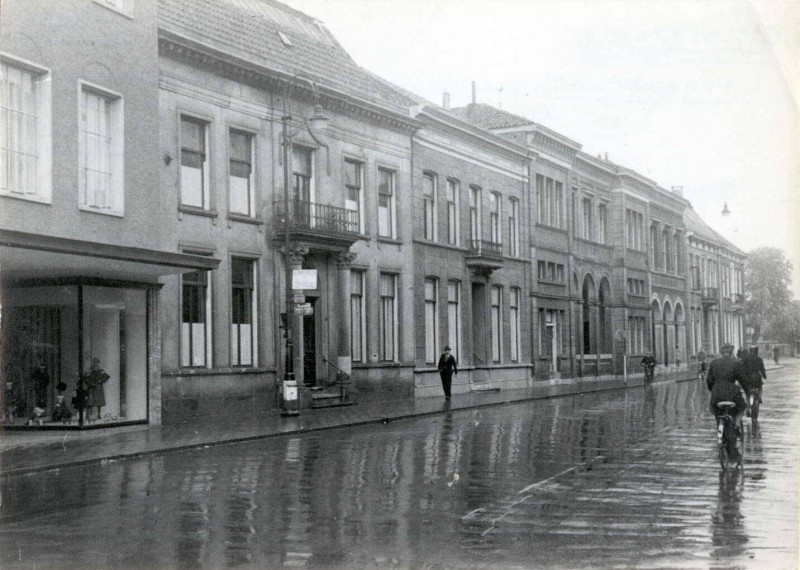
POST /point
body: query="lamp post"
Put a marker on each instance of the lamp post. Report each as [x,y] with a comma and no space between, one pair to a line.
[289,391]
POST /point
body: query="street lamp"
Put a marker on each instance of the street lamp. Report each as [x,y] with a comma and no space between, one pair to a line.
[318,121]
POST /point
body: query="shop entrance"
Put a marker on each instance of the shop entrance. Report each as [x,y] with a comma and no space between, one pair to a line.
[310,344]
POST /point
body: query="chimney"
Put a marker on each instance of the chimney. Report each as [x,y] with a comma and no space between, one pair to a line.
[605,157]
[678,190]
[474,97]
[446,100]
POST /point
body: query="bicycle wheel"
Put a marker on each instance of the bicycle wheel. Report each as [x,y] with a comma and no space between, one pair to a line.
[723,456]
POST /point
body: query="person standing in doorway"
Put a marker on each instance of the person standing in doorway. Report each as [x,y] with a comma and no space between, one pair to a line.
[447,367]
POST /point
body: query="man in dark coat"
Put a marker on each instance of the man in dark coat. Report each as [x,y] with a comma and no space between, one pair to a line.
[447,367]
[725,379]
[754,371]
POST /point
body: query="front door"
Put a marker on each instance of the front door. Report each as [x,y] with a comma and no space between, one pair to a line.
[310,345]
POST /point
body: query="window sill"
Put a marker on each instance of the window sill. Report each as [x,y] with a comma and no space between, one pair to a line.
[553,228]
[101,212]
[233,370]
[245,219]
[195,211]
[389,240]
[548,282]
[37,199]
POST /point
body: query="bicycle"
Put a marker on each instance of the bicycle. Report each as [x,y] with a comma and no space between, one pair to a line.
[754,399]
[730,437]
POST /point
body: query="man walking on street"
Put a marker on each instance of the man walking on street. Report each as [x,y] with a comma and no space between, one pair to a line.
[447,367]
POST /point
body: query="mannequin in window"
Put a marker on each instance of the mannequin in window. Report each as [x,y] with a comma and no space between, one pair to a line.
[93,380]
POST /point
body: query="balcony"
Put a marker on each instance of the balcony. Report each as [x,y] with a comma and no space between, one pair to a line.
[319,225]
[484,256]
[710,296]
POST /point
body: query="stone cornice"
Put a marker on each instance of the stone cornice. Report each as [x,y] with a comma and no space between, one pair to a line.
[208,57]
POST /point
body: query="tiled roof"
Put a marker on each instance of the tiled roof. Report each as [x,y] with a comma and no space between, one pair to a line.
[695,224]
[489,117]
[278,37]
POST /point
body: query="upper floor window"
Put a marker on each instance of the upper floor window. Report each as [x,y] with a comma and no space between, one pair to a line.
[302,174]
[101,152]
[240,173]
[494,217]
[550,201]
[25,127]
[453,191]
[354,188]
[634,230]
[386,205]
[475,215]
[586,219]
[429,205]
[194,163]
[513,227]
[602,223]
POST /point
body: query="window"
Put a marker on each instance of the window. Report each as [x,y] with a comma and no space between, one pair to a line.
[353,182]
[494,217]
[634,230]
[453,316]
[513,227]
[541,270]
[550,272]
[636,287]
[602,223]
[243,312]
[358,338]
[586,219]
[194,163]
[25,149]
[636,336]
[240,173]
[475,216]
[429,206]
[431,320]
[453,191]
[677,266]
[196,319]
[388,323]
[101,157]
[550,199]
[550,328]
[513,308]
[497,323]
[386,212]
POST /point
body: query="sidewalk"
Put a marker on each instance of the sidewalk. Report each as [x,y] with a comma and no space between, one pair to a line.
[27,452]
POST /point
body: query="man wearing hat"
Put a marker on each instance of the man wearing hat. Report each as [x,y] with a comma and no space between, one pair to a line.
[725,379]
[447,367]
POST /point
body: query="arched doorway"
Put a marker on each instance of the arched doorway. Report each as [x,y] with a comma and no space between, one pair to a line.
[587,296]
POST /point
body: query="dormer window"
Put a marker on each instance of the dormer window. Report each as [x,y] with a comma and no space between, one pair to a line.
[285,39]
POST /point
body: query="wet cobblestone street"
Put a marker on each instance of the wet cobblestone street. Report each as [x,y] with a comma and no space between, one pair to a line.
[625,478]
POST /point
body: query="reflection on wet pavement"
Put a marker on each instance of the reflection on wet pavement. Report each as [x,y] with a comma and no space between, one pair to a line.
[622,478]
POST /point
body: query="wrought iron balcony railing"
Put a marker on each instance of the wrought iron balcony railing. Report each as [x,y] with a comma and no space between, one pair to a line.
[485,247]
[318,218]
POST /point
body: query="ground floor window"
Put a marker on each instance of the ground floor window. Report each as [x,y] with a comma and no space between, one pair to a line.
[431,320]
[388,321]
[497,323]
[74,355]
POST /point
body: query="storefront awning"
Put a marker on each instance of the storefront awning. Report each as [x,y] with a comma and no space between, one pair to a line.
[25,256]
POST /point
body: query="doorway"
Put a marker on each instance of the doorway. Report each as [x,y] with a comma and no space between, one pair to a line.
[310,344]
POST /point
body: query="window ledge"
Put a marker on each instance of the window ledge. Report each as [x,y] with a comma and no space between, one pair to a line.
[548,282]
[101,211]
[553,228]
[233,370]
[37,199]
[245,219]
[195,211]
[392,241]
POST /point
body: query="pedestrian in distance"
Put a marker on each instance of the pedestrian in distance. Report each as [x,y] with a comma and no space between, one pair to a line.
[649,365]
[447,367]
[755,372]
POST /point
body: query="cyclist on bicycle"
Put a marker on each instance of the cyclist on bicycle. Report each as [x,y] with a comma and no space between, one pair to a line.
[702,364]
[724,379]
[754,371]
[649,364]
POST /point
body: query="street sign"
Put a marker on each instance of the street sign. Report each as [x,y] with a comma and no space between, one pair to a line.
[304,279]
[304,309]
[298,299]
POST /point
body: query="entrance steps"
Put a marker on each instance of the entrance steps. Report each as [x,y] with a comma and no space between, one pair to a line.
[327,398]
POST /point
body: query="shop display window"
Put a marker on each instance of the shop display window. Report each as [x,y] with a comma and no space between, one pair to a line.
[73,356]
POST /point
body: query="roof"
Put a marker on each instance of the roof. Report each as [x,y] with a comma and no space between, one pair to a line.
[278,37]
[695,224]
[489,117]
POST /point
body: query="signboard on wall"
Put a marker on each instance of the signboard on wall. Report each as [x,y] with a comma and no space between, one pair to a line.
[304,279]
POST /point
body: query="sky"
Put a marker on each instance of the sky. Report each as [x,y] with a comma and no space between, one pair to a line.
[695,93]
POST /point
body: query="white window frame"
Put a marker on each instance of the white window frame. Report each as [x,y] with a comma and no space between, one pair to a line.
[475,197]
[513,227]
[392,208]
[453,225]
[586,218]
[431,319]
[454,316]
[42,184]
[205,169]
[208,322]
[429,207]
[251,180]
[495,215]
[497,322]
[360,167]
[236,347]
[514,322]
[115,204]
[602,222]
[358,276]
[382,319]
